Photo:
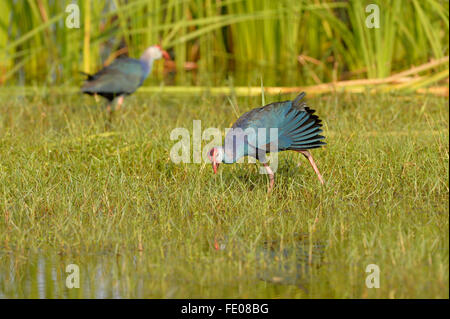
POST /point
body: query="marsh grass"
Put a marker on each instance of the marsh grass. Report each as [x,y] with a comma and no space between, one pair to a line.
[324,40]
[139,225]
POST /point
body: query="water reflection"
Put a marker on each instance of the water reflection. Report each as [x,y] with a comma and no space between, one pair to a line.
[42,275]
[170,274]
[281,262]
[288,264]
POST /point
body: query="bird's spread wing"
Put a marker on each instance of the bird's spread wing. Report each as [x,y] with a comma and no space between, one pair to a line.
[123,76]
[297,127]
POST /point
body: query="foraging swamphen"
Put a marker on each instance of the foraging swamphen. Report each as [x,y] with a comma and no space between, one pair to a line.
[297,129]
[123,76]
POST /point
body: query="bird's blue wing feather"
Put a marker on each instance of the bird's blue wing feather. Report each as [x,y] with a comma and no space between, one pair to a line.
[124,75]
[298,128]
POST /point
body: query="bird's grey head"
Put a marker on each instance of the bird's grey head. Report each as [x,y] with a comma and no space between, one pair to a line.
[216,155]
[155,52]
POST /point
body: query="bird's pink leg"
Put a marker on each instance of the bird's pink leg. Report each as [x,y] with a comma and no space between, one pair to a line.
[314,166]
[119,102]
[271,176]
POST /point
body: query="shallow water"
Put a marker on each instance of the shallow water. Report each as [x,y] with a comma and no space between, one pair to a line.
[288,265]
[48,275]
[45,274]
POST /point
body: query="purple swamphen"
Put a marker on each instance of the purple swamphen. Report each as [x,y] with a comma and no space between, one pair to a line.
[296,128]
[123,76]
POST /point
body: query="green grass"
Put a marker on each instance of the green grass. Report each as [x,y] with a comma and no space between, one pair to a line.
[139,225]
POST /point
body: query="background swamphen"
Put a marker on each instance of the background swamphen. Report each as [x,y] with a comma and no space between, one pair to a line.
[123,76]
[298,130]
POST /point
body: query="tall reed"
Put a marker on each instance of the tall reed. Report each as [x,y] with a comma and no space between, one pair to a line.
[288,42]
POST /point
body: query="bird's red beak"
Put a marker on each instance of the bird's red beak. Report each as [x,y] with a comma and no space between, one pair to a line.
[215,165]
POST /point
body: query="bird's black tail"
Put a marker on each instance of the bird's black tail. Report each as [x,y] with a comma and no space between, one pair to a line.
[89,76]
[305,127]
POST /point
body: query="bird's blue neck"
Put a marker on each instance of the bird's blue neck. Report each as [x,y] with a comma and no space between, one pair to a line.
[232,153]
[147,65]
